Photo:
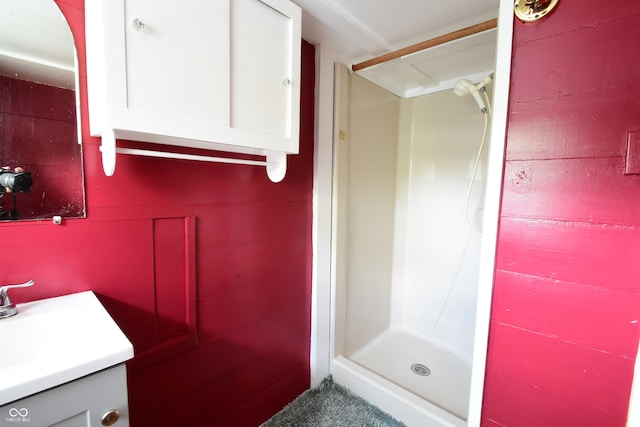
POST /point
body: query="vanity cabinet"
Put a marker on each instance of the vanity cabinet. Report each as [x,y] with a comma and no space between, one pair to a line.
[219,75]
[95,400]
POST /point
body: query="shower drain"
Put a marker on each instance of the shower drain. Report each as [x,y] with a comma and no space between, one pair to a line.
[420,369]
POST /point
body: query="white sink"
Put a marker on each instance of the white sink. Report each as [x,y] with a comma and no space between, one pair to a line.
[57,340]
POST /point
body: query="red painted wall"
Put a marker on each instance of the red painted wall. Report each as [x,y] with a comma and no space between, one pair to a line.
[157,227]
[564,330]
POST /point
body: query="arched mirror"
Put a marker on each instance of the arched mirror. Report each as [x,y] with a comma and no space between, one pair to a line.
[40,150]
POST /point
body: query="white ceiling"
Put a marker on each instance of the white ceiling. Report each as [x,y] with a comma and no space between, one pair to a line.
[358,30]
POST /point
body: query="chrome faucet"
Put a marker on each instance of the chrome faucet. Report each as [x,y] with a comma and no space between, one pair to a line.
[7,308]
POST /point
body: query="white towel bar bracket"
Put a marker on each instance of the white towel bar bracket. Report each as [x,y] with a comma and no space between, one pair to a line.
[275,162]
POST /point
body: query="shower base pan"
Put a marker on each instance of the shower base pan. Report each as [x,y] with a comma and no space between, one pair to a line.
[424,369]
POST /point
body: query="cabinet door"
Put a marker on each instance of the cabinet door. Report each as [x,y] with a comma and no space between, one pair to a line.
[176,61]
[81,403]
[265,70]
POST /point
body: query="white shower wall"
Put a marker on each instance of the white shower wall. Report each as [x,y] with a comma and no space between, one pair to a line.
[368,153]
[410,262]
[436,255]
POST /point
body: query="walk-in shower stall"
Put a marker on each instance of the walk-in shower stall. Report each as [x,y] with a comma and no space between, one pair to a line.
[410,178]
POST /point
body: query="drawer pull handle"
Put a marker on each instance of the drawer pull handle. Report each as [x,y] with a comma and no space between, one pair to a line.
[110,417]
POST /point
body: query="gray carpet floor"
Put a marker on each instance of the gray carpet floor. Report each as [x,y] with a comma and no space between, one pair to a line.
[331,405]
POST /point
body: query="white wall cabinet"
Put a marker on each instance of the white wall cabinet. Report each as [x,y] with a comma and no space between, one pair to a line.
[219,75]
[91,401]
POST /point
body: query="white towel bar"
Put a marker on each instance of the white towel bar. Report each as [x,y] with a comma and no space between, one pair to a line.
[275,163]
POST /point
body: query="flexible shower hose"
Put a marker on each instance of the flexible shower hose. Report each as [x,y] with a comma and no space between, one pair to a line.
[486,115]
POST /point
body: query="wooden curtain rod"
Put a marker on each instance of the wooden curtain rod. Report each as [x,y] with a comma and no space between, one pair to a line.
[478,28]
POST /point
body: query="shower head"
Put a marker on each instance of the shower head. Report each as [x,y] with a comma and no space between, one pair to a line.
[465,87]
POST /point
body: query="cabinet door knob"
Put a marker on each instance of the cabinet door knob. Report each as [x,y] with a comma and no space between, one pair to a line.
[286,82]
[138,24]
[110,417]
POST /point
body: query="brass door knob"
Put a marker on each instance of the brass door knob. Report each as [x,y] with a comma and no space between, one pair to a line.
[533,10]
[110,417]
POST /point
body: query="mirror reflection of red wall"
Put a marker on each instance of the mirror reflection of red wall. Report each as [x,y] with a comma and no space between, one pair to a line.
[38,132]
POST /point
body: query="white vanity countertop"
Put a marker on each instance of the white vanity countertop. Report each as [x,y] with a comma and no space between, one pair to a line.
[57,340]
